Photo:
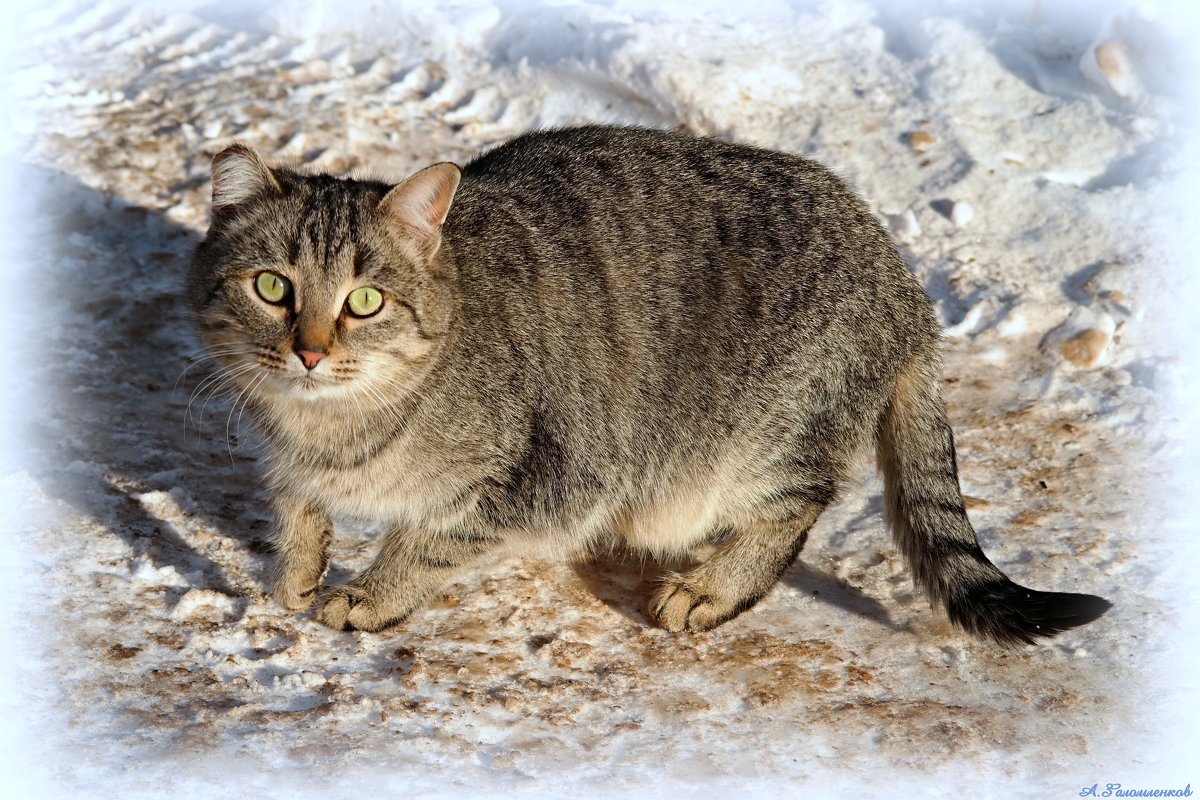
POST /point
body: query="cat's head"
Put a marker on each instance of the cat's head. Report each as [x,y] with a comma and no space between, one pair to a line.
[309,287]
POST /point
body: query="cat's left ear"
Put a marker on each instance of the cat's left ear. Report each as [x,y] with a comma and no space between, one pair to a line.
[420,204]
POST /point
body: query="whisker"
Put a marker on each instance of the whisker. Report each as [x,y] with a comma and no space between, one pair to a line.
[238,428]
[213,385]
[382,404]
[218,376]
[209,356]
[245,392]
[366,435]
[202,353]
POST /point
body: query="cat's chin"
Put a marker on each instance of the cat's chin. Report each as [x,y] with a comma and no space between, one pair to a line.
[310,391]
[306,389]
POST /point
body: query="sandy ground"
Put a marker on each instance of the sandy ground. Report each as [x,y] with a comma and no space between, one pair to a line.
[1030,184]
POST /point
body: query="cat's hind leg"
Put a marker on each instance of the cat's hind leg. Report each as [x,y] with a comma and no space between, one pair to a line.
[737,576]
[410,568]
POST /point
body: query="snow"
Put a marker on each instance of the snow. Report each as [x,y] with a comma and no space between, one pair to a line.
[1047,206]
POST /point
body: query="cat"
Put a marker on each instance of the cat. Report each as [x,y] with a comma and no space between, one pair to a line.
[584,336]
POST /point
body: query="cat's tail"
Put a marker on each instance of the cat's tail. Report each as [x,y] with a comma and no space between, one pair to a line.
[924,507]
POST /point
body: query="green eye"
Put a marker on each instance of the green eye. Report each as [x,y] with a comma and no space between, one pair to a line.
[364,302]
[272,287]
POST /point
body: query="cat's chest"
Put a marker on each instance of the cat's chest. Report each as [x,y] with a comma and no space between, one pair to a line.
[393,481]
[390,489]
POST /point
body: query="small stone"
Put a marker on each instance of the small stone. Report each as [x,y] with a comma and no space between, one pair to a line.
[961,213]
[1108,63]
[1084,339]
[1112,58]
[920,141]
[1085,348]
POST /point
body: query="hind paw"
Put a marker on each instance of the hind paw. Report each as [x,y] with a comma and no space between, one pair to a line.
[680,606]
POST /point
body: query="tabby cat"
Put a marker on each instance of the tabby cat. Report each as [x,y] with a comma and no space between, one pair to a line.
[586,336]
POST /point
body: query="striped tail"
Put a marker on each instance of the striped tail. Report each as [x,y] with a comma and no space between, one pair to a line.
[923,506]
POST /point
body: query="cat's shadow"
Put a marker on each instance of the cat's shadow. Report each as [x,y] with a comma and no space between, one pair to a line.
[828,590]
[622,581]
[112,440]
[625,583]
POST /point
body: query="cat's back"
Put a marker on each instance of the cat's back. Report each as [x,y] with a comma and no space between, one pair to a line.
[682,234]
[564,171]
[646,195]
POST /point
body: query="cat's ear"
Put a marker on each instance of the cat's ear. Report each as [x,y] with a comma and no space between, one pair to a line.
[238,176]
[420,204]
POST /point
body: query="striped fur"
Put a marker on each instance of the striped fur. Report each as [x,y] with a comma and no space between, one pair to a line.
[924,507]
[588,336]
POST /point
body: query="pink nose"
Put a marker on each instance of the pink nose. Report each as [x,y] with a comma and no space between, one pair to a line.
[310,357]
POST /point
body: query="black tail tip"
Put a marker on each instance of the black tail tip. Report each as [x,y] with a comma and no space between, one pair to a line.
[1011,614]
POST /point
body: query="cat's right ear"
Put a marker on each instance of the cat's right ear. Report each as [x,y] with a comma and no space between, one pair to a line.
[420,204]
[238,176]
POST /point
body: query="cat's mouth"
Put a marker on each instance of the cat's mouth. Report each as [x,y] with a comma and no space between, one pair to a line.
[307,375]
[316,380]
[289,379]
[307,385]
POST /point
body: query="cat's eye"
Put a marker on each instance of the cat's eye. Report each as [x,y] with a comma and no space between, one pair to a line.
[272,287]
[364,302]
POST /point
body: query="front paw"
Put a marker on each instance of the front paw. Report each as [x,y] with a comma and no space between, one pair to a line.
[296,592]
[355,608]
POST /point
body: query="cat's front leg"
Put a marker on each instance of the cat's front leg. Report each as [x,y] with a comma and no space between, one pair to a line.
[410,568]
[301,540]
